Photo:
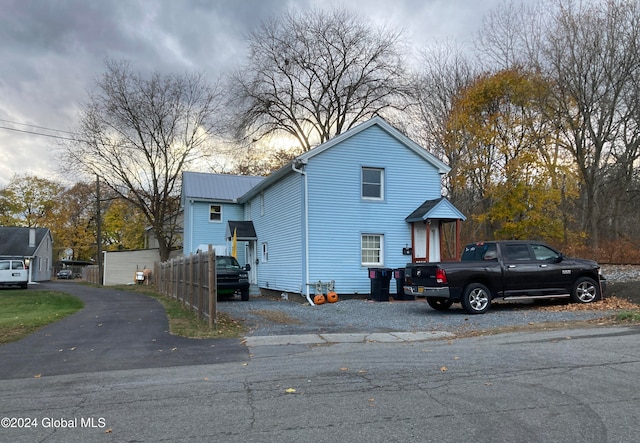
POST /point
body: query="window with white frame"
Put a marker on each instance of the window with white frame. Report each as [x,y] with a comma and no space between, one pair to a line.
[372,247]
[215,213]
[373,183]
[265,253]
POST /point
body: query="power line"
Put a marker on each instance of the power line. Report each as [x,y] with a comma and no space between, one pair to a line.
[42,134]
[36,126]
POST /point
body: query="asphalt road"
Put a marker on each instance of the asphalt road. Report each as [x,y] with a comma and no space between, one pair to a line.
[116,330]
[561,386]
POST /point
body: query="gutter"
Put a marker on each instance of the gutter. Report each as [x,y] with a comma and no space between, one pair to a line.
[294,166]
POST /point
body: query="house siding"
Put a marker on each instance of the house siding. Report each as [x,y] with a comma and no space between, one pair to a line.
[337,215]
[42,269]
[121,266]
[204,232]
[338,218]
[280,227]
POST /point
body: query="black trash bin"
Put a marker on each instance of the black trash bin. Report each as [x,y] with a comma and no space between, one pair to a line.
[380,278]
[398,274]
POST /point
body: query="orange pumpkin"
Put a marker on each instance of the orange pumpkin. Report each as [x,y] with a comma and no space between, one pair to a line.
[332,297]
[319,299]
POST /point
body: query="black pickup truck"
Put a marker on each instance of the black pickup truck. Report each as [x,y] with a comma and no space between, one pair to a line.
[231,277]
[504,269]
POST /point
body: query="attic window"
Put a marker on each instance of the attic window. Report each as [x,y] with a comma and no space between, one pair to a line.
[215,213]
[373,183]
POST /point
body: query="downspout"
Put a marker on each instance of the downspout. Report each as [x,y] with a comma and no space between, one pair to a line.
[294,167]
[190,228]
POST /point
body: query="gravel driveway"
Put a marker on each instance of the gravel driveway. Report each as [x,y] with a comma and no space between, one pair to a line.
[265,316]
[269,316]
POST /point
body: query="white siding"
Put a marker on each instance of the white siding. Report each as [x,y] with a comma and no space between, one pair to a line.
[120,266]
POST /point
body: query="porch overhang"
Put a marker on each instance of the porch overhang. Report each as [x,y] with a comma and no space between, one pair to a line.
[440,209]
[244,230]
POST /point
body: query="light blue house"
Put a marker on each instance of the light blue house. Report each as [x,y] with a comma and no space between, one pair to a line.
[368,198]
[210,202]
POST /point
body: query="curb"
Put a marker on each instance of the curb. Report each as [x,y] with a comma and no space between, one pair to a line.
[318,339]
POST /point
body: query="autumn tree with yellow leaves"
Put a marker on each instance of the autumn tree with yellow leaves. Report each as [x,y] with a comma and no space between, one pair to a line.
[506,166]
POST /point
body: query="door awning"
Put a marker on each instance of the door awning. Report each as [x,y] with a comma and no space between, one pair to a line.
[440,209]
[244,230]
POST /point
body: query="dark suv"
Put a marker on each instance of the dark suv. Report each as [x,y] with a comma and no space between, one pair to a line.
[231,277]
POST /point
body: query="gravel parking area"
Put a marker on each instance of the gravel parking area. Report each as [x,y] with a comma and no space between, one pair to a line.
[269,316]
[266,316]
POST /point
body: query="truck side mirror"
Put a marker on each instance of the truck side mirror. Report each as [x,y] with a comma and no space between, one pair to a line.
[247,267]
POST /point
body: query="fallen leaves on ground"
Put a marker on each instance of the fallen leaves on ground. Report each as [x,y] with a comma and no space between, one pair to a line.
[612,303]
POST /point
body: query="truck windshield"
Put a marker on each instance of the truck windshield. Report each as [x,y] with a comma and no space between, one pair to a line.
[227,263]
[479,251]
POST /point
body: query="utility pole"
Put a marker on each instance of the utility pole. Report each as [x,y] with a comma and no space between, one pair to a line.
[99,232]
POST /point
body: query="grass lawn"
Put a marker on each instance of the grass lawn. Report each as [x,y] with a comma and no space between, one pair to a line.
[24,311]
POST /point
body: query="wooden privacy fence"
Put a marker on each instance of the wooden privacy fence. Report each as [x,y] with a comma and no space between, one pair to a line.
[91,274]
[191,280]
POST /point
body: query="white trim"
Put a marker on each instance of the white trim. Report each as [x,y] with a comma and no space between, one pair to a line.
[381,195]
[380,262]
[210,213]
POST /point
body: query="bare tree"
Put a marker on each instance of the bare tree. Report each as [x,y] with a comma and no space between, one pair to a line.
[510,35]
[444,71]
[591,52]
[138,134]
[313,75]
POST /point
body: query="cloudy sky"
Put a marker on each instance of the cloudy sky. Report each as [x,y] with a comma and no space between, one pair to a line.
[51,52]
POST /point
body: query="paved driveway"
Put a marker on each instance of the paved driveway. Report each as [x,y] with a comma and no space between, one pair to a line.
[115,330]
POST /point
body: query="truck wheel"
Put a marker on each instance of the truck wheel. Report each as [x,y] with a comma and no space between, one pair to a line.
[476,298]
[439,304]
[585,290]
[244,295]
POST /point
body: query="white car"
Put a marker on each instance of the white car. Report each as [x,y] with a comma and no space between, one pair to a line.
[13,272]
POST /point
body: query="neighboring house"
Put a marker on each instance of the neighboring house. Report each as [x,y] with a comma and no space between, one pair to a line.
[151,239]
[368,198]
[33,245]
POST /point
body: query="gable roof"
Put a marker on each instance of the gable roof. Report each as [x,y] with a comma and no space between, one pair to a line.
[216,187]
[383,124]
[14,241]
[440,208]
[378,121]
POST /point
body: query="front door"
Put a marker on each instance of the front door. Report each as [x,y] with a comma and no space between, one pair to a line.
[251,260]
[420,242]
[434,244]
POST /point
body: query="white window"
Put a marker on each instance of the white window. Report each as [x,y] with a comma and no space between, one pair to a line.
[215,213]
[372,247]
[373,183]
[265,253]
